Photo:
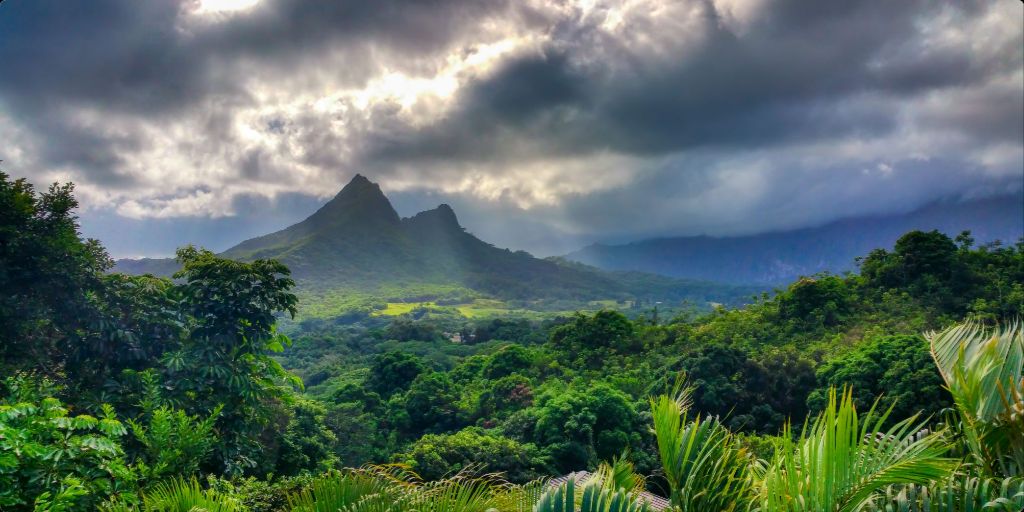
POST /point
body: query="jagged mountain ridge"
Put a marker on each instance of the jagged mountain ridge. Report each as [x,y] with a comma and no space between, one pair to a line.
[358,239]
[357,242]
[778,258]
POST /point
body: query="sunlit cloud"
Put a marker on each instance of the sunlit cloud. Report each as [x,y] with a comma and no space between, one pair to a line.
[222,6]
[551,110]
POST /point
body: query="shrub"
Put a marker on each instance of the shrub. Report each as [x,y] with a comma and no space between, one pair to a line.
[55,460]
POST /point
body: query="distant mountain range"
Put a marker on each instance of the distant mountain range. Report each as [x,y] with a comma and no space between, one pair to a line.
[356,244]
[779,258]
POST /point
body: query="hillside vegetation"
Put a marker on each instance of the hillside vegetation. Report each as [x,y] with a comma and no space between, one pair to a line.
[356,253]
[143,393]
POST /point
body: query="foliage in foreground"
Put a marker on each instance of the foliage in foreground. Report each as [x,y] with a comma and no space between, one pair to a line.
[595,498]
[983,371]
[179,495]
[52,459]
[842,461]
[706,469]
[212,417]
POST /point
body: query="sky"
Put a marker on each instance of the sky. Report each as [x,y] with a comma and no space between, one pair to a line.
[546,124]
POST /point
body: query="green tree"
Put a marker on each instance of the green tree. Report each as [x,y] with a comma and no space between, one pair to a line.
[47,276]
[224,362]
[588,341]
[357,394]
[403,329]
[749,392]
[436,456]
[920,254]
[393,372]
[716,372]
[361,438]
[508,360]
[509,393]
[308,444]
[168,443]
[469,369]
[431,403]
[53,458]
[136,321]
[517,330]
[896,369]
[815,302]
[926,264]
[582,425]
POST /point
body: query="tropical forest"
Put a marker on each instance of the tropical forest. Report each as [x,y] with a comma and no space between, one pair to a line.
[894,387]
[511,256]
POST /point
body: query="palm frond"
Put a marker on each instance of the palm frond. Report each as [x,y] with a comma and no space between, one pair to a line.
[842,460]
[620,473]
[706,468]
[984,372]
[992,358]
[594,498]
[519,498]
[368,488]
[961,493]
[187,496]
[460,493]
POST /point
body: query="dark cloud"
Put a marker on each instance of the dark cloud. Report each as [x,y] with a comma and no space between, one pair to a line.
[98,157]
[147,59]
[788,77]
[126,54]
[681,116]
[115,53]
[291,28]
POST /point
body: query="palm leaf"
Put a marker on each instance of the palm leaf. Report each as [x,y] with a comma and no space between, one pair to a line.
[961,493]
[458,494]
[842,460]
[187,496]
[984,372]
[519,498]
[366,489]
[620,473]
[594,498]
[704,465]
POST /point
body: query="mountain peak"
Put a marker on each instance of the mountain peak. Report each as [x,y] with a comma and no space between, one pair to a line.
[359,184]
[361,200]
[441,217]
[359,180]
[356,243]
[446,213]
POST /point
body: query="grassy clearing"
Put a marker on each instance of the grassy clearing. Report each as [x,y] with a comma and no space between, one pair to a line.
[479,308]
[487,308]
[401,308]
[474,311]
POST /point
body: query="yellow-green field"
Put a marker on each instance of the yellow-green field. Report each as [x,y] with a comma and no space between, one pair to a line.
[482,308]
[476,309]
[401,308]
[488,307]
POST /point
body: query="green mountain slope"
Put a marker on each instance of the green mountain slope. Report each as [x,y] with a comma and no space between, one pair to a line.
[356,245]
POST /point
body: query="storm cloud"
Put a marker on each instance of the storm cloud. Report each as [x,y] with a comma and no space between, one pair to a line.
[547,124]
